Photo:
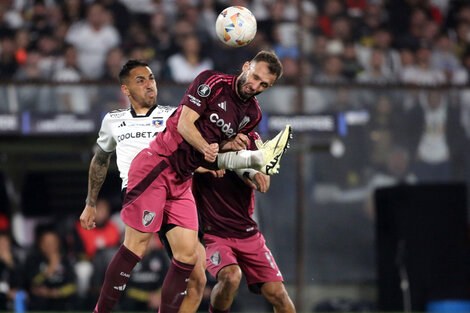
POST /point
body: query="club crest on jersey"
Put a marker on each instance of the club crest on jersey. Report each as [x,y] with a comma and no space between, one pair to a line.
[147,218]
[157,122]
[203,90]
[215,258]
[244,122]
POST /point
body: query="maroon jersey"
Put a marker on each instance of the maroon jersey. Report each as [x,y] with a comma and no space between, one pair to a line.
[226,204]
[222,115]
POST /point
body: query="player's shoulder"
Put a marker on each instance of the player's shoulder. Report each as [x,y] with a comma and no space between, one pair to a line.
[212,79]
[117,114]
[164,110]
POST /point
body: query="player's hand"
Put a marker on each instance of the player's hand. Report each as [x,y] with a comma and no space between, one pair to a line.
[262,181]
[210,152]
[240,142]
[218,173]
[87,219]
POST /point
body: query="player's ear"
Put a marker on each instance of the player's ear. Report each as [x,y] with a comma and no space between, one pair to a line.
[246,65]
[125,90]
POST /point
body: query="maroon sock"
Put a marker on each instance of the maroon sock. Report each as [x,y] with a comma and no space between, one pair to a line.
[115,279]
[214,310]
[174,286]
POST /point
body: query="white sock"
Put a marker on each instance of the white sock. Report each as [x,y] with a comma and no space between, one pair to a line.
[240,159]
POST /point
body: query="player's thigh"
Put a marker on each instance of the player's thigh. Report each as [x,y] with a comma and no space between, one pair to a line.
[180,208]
[219,254]
[183,243]
[257,262]
[136,241]
[146,196]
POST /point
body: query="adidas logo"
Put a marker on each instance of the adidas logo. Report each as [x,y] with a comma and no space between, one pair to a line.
[122,124]
[120,288]
[223,105]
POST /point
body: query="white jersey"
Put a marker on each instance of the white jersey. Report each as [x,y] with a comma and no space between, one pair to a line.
[128,133]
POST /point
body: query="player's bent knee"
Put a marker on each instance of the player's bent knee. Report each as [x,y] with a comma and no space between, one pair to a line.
[231,276]
[277,296]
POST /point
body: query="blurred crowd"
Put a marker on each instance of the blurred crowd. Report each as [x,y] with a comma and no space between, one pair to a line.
[63,265]
[366,41]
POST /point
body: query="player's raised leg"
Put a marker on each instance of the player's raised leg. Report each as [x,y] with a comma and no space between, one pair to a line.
[196,284]
[183,243]
[120,268]
[276,294]
[224,291]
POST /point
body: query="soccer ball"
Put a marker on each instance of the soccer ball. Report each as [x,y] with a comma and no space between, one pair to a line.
[236,26]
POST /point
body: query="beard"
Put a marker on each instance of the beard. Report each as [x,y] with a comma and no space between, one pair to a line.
[144,101]
[241,93]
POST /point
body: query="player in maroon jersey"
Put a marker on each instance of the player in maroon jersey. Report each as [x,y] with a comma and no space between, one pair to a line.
[234,244]
[215,114]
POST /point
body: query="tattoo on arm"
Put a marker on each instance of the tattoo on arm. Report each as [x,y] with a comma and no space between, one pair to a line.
[97,174]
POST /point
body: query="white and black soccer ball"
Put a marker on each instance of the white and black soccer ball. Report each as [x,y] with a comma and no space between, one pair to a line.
[236,26]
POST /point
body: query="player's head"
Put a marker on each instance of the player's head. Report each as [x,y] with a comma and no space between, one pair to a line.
[259,74]
[138,83]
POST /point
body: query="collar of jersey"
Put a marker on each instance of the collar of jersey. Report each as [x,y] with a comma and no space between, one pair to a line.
[146,115]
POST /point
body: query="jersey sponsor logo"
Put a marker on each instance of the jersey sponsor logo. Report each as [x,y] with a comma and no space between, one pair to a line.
[203,90]
[219,122]
[147,218]
[223,105]
[158,122]
[194,100]
[117,114]
[125,274]
[244,122]
[136,135]
[215,258]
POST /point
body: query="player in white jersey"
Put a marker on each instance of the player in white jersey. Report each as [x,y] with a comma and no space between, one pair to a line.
[128,133]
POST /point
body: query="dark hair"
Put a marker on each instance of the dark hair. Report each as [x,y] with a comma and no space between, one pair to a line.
[274,64]
[126,69]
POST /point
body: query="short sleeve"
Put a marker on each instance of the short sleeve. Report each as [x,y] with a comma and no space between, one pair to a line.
[105,137]
[199,92]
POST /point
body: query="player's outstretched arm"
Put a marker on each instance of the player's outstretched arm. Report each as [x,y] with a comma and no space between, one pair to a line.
[191,134]
[96,176]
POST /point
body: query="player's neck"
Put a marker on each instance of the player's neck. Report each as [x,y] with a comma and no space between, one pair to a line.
[140,110]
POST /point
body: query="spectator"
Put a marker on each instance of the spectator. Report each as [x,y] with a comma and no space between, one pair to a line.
[31,70]
[105,235]
[331,9]
[49,276]
[185,66]
[444,59]
[332,71]
[10,275]
[351,65]
[113,64]
[93,38]
[423,73]
[436,138]
[8,63]
[376,72]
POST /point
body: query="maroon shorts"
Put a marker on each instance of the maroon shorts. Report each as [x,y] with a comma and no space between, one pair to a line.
[251,254]
[156,195]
